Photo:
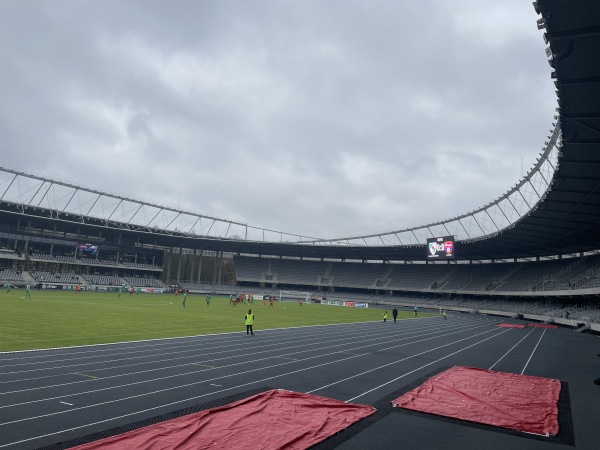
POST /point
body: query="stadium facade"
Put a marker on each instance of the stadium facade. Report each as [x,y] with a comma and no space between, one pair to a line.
[539,240]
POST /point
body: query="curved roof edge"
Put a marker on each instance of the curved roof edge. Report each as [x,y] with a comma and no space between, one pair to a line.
[561,199]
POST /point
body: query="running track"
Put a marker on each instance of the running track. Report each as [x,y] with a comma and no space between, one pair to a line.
[56,395]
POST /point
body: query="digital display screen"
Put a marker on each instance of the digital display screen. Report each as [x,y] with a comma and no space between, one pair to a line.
[88,250]
[440,248]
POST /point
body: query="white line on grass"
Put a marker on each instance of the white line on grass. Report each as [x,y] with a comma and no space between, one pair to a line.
[182,337]
[129,351]
[262,380]
[153,357]
[237,364]
[287,348]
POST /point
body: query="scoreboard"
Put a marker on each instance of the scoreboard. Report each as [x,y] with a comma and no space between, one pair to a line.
[440,248]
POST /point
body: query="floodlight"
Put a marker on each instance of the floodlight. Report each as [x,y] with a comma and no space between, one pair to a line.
[541,23]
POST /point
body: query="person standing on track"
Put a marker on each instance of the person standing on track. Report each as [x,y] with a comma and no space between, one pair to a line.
[249,322]
[384,316]
[416,310]
[395,313]
[444,314]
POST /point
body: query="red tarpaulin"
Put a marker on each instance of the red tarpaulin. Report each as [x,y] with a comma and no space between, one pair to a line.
[509,325]
[541,325]
[274,419]
[507,400]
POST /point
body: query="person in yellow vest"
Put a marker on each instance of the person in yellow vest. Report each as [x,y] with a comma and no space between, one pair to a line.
[384,316]
[249,322]
[444,314]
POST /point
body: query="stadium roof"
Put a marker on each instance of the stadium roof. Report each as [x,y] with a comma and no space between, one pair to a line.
[565,218]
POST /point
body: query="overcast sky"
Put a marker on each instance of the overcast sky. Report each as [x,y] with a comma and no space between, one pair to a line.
[325,118]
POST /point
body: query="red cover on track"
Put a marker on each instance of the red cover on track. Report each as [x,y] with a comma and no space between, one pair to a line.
[508,400]
[273,419]
[510,325]
[541,325]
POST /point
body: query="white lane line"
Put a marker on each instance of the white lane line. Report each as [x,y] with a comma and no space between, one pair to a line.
[181,337]
[154,356]
[151,356]
[204,381]
[536,346]
[232,365]
[218,385]
[65,403]
[396,362]
[140,347]
[262,380]
[86,375]
[263,351]
[148,348]
[512,348]
[423,366]
[179,401]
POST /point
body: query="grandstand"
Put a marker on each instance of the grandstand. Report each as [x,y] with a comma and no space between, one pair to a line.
[535,245]
[560,275]
[10,275]
[55,278]
[531,254]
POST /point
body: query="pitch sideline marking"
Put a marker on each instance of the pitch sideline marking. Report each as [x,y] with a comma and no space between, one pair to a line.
[192,336]
[188,399]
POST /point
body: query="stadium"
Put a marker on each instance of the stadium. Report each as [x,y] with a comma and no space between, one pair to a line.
[524,268]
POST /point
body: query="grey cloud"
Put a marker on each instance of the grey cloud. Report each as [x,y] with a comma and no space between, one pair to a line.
[317,118]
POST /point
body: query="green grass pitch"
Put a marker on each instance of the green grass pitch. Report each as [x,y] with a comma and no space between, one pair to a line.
[66,318]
